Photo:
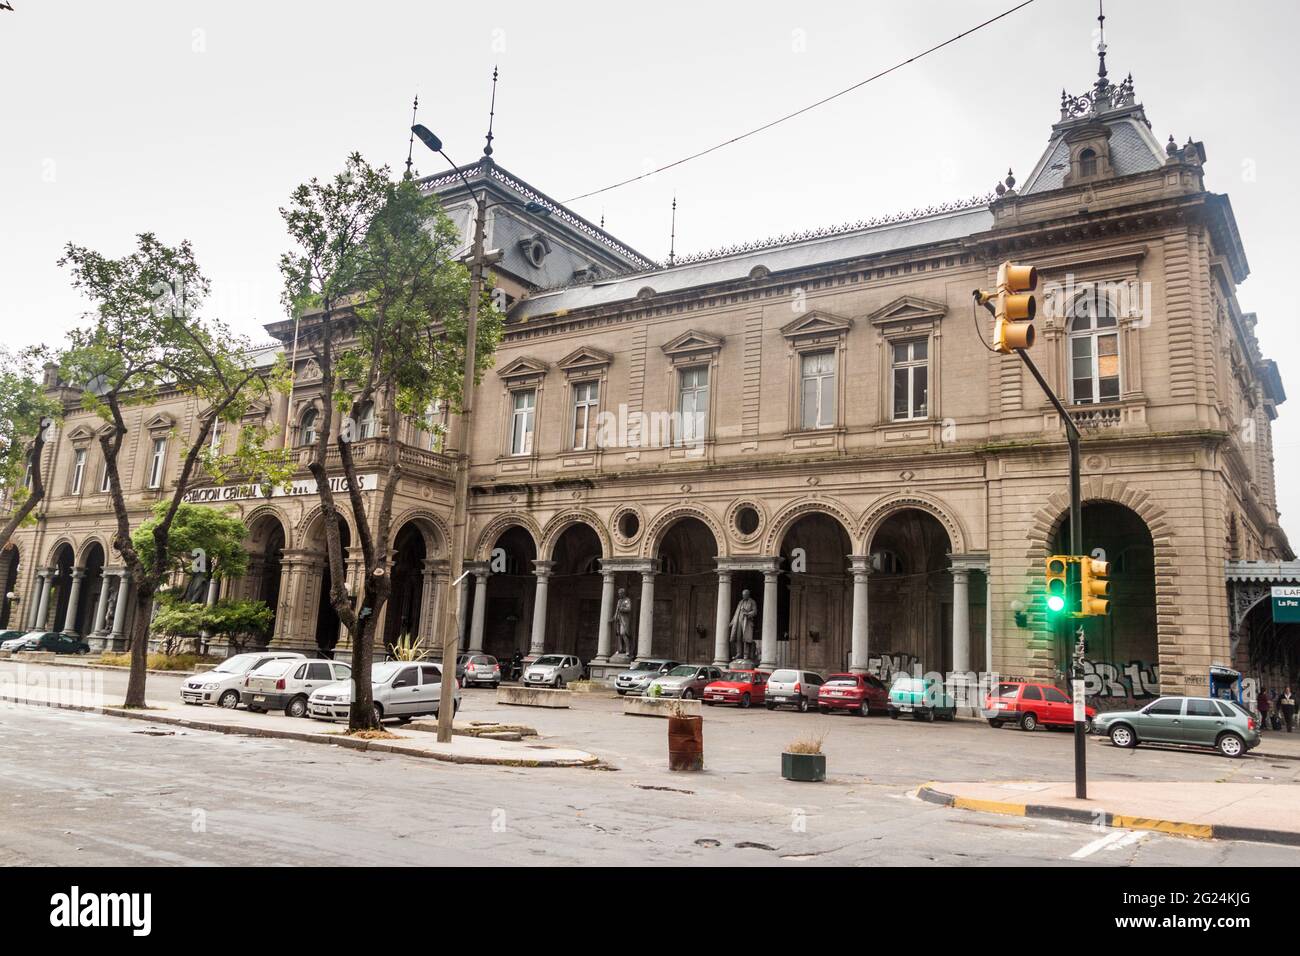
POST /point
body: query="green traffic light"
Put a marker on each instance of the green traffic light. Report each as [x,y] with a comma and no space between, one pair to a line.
[1056,603]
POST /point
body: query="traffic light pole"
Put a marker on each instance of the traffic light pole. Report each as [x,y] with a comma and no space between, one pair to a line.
[1076,538]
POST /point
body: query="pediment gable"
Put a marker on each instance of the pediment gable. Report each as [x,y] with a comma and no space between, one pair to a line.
[908,308]
[161,422]
[693,341]
[816,323]
[585,357]
[523,367]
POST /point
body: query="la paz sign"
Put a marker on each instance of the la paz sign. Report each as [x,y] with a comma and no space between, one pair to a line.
[304,486]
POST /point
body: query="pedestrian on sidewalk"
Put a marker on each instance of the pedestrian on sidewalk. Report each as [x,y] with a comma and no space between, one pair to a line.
[1286,703]
[1262,703]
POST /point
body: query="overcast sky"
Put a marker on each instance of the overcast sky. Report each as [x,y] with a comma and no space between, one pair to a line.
[195,119]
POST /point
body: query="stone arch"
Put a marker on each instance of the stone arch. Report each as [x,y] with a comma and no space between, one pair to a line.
[51,555]
[84,551]
[662,522]
[312,522]
[434,529]
[563,521]
[259,514]
[880,512]
[498,526]
[785,519]
[1049,518]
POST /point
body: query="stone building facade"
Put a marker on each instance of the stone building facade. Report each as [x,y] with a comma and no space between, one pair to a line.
[815,420]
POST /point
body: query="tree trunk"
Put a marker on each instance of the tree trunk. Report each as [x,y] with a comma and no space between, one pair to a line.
[361,716]
[139,644]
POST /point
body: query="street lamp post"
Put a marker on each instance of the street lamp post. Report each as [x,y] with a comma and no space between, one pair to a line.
[447,631]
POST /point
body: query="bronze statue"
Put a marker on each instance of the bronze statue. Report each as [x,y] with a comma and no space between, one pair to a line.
[742,627]
[622,621]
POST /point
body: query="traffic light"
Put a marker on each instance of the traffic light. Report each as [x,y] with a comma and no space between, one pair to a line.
[1094,587]
[1058,585]
[1013,307]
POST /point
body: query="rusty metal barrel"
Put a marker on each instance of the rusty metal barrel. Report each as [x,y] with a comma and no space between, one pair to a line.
[685,743]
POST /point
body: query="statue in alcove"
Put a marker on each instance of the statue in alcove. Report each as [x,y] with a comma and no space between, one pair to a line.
[742,628]
[621,619]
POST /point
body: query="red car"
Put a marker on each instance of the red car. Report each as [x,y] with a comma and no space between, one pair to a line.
[741,688]
[1029,705]
[857,693]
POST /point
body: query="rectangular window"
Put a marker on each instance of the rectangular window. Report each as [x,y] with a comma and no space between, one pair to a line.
[911,366]
[586,400]
[157,461]
[693,403]
[216,438]
[522,420]
[78,470]
[817,390]
[1094,368]
[103,478]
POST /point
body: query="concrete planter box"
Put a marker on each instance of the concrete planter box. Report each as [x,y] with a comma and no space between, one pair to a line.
[532,697]
[660,707]
[35,655]
[591,687]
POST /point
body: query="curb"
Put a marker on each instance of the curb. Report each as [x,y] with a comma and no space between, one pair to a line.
[1198,831]
[350,743]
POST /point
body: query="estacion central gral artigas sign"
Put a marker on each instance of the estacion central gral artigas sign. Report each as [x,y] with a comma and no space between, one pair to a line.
[303,486]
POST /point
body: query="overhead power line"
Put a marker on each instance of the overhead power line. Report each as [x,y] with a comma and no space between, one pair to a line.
[805,109]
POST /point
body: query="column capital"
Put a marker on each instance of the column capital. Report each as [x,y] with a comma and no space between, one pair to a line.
[543,569]
[969,562]
[748,562]
[78,573]
[436,565]
[630,565]
[860,564]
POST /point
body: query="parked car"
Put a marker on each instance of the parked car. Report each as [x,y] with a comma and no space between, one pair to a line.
[686,681]
[1029,704]
[401,689]
[925,698]
[792,688]
[637,678]
[1193,721]
[222,684]
[739,687]
[286,684]
[857,693]
[552,670]
[7,636]
[47,641]
[479,669]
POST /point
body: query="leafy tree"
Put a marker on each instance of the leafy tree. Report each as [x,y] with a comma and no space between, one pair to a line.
[145,337]
[382,303]
[26,415]
[229,618]
[203,540]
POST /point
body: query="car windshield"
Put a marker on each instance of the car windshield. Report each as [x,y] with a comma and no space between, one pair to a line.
[275,668]
[743,677]
[549,661]
[647,665]
[903,682]
[788,677]
[685,670]
[383,673]
[842,680]
[235,665]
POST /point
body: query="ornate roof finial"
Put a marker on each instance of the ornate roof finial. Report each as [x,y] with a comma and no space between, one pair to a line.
[410,145]
[1010,180]
[672,239]
[1171,147]
[1102,82]
[492,112]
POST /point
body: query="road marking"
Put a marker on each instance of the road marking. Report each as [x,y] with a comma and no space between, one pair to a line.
[1111,841]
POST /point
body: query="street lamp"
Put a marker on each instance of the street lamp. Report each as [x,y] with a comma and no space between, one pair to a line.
[460,503]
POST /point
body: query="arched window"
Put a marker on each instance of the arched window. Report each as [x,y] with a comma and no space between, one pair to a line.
[366,421]
[307,427]
[1094,350]
[1088,163]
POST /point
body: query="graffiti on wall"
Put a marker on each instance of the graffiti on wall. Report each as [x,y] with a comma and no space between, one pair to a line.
[887,665]
[1115,683]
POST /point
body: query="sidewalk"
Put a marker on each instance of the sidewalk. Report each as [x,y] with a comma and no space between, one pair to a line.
[462,749]
[1264,813]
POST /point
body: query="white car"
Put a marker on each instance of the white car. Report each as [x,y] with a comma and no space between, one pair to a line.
[401,689]
[287,684]
[552,670]
[20,643]
[222,684]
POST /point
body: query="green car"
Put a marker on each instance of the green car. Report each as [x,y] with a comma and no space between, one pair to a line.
[925,698]
[1192,721]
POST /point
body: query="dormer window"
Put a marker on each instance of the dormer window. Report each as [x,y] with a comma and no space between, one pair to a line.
[1088,163]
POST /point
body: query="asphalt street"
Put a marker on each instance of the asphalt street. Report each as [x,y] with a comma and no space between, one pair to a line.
[91,789]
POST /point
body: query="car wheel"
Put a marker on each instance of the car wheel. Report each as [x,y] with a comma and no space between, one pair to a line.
[709,703]
[404,719]
[1230,745]
[995,724]
[378,711]
[893,715]
[770,706]
[1087,726]
[229,700]
[1028,722]
[823,710]
[688,694]
[559,683]
[296,707]
[1122,735]
[745,701]
[803,705]
[929,716]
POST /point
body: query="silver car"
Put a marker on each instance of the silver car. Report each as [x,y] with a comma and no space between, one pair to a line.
[222,684]
[686,681]
[637,678]
[793,688]
[401,689]
[552,670]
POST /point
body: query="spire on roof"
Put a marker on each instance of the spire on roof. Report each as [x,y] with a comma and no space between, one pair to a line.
[672,237]
[1103,95]
[410,145]
[1102,82]
[492,112]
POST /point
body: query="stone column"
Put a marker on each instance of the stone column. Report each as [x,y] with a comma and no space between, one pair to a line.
[101,608]
[768,654]
[214,590]
[988,620]
[859,649]
[74,597]
[119,612]
[722,621]
[542,569]
[960,618]
[481,572]
[603,635]
[646,619]
[41,602]
[462,607]
[432,585]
